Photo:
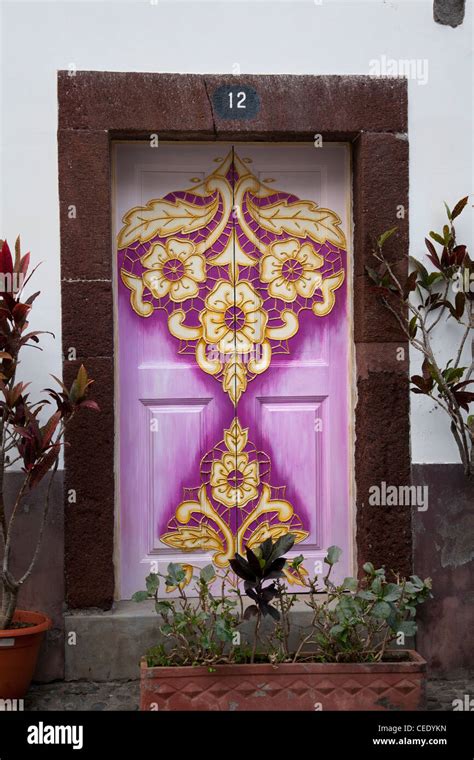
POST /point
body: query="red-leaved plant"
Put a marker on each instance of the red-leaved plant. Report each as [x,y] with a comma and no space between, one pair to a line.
[23,437]
[419,303]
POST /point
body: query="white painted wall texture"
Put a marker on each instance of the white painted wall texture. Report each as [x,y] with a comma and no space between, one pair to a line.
[264,36]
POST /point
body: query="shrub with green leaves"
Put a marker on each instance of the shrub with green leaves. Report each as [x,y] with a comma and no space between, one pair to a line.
[357,620]
[196,631]
[354,621]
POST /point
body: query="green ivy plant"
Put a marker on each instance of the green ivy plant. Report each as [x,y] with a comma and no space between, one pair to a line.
[419,303]
[195,631]
[354,621]
[358,619]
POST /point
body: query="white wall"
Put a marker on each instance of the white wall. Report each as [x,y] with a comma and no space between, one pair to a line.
[266,36]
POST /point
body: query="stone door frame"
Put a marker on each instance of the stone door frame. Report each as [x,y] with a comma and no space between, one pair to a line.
[96,108]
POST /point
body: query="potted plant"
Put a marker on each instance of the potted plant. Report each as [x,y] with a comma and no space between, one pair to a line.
[32,437]
[341,660]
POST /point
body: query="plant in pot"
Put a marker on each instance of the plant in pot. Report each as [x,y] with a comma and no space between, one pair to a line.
[219,652]
[31,437]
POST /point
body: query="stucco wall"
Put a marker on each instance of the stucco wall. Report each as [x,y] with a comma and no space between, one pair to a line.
[327,37]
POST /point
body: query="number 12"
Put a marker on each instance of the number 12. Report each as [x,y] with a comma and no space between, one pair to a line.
[241,96]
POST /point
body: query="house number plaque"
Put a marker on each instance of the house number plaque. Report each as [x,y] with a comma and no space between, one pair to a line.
[236,101]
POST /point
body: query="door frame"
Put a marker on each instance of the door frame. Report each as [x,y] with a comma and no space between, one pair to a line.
[97,108]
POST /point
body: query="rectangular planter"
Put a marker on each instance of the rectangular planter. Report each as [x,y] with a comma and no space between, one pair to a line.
[290,686]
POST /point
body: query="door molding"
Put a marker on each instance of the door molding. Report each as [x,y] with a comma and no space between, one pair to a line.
[96,108]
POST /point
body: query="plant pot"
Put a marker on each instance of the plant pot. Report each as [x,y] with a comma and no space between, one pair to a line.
[290,686]
[19,648]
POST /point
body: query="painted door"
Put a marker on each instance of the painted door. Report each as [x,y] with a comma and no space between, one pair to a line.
[233,346]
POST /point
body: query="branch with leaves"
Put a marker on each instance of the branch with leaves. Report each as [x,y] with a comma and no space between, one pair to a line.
[418,304]
[354,621]
[262,565]
[23,437]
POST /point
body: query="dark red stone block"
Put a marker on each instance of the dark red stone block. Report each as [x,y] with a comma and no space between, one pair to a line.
[87,318]
[84,203]
[373,321]
[380,190]
[383,454]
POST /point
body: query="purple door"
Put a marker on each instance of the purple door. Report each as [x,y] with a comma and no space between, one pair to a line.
[233,344]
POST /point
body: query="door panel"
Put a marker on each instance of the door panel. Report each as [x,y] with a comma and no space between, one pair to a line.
[298,406]
[233,333]
[171,412]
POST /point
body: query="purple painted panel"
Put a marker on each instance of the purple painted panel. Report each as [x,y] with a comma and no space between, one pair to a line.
[233,360]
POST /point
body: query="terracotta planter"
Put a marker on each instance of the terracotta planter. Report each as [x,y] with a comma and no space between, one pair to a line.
[299,686]
[19,650]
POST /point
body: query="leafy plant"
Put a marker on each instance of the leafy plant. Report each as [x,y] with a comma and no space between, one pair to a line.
[357,620]
[354,621]
[24,438]
[418,304]
[195,632]
[264,564]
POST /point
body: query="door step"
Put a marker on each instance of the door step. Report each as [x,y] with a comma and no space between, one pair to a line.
[107,646]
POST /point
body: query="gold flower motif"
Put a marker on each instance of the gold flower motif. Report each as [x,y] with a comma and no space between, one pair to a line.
[234,319]
[290,270]
[234,480]
[175,269]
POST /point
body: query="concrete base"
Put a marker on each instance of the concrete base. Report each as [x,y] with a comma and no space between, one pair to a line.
[107,646]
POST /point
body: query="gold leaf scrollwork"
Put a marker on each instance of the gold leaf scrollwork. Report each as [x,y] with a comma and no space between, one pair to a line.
[206,523]
[136,286]
[161,217]
[299,218]
[174,269]
[234,477]
[297,577]
[291,270]
[235,378]
[236,437]
[247,298]
[265,530]
[188,576]
[203,538]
